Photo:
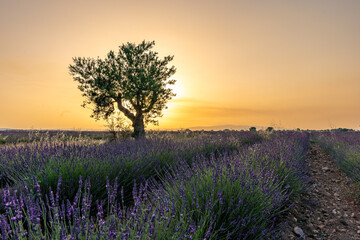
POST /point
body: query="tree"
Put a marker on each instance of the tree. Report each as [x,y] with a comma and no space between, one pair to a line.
[134,80]
[252,129]
[270,129]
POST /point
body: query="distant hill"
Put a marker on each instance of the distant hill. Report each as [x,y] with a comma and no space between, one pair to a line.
[222,127]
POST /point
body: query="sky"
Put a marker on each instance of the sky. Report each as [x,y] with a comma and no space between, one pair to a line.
[287,64]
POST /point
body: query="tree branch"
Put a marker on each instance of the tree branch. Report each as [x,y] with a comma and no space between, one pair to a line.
[151,105]
[126,111]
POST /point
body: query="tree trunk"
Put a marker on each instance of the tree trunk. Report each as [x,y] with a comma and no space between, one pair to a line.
[139,127]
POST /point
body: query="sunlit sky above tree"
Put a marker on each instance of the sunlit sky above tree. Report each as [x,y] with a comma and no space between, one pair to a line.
[289,64]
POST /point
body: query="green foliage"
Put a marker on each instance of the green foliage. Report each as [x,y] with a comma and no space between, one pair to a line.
[342,130]
[252,129]
[270,129]
[348,160]
[2,140]
[134,80]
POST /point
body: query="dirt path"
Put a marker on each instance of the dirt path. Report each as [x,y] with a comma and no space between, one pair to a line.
[330,210]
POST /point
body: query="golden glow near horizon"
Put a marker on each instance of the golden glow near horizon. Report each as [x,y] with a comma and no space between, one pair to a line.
[266,63]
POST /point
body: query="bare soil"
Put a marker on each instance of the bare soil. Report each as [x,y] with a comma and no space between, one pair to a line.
[331,209]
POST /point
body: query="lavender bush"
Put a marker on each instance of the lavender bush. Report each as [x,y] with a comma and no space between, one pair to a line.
[344,147]
[28,136]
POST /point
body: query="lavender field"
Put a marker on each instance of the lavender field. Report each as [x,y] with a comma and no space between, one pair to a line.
[206,185]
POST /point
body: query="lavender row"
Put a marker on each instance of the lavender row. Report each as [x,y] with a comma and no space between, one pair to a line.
[228,195]
[12,136]
[344,147]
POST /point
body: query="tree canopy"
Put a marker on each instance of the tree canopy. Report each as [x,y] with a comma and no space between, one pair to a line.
[134,80]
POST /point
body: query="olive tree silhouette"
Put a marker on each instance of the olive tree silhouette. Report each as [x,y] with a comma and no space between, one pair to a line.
[134,80]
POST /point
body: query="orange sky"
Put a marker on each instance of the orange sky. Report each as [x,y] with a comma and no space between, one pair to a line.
[266,63]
